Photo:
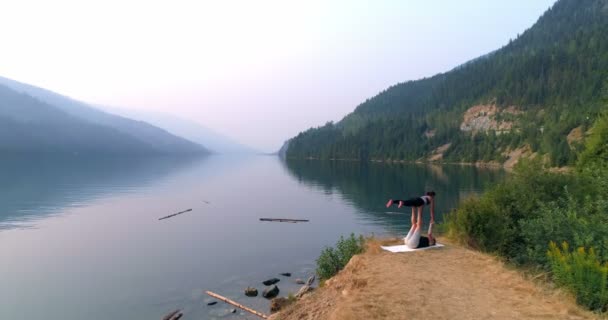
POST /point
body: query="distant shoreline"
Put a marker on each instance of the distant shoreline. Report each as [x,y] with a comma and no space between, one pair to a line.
[489,165]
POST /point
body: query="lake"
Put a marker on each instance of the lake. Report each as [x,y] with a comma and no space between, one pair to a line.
[80,236]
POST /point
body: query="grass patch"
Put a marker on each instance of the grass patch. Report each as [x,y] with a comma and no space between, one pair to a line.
[333,259]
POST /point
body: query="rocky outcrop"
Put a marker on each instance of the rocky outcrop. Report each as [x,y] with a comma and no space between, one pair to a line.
[251,292]
[310,280]
[489,117]
[575,137]
[513,156]
[277,304]
[304,290]
[270,292]
[270,281]
[437,154]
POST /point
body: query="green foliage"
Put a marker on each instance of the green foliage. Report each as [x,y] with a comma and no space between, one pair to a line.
[493,222]
[554,72]
[523,217]
[581,224]
[481,225]
[582,272]
[332,260]
[596,151]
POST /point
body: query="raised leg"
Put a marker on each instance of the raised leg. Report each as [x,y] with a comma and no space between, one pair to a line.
[419,222]
[413,216]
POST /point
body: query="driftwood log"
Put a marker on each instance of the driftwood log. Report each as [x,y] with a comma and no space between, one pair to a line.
[236,304]
[175,315]
[283,220]
[173,215]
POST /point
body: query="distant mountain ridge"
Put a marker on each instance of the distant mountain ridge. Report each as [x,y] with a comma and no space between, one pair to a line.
[49,122]
[190,130]
[534,96]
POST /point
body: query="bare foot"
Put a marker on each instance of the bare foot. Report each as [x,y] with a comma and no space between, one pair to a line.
[389,203]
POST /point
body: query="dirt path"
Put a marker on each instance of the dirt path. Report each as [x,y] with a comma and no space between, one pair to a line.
[443,283]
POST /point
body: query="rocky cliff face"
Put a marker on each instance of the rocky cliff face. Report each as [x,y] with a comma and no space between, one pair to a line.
[484,118]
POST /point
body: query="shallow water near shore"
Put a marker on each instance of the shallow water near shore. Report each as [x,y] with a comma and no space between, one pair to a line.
[80,237]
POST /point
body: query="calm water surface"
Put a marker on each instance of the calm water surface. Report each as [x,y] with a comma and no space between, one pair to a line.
[80,237]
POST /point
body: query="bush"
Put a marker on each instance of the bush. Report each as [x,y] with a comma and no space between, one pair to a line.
[566,220]
[492,222]
[333,260]
[582,273]
[481,225]
[523,217]
[596,146]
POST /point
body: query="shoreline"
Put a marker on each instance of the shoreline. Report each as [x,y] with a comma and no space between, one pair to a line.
[480,164]
[443,283]
[489,165]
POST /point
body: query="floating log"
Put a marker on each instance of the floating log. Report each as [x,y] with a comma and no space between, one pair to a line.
[175,315]
[283,220]
[238,305]
[173,215]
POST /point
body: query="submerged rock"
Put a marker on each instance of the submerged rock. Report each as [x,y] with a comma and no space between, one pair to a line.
[232,310]
[270,292]
[270,282]
[212,303]
[277,304]
[251,292]
[286,274]
[300,281]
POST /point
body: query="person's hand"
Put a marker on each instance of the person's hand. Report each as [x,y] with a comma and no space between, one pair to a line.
[432,222]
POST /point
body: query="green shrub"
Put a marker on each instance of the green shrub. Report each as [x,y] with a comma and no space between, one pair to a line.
[566,220]
[481,225]
[491,223]
[333,260]
[523,217]
[582,273]
[596,146]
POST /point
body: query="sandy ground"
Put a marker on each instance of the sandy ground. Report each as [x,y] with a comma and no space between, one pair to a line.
[444,283]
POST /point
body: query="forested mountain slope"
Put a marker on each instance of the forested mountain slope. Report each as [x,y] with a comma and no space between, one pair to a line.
[149,136]
[28,125]
[536,95]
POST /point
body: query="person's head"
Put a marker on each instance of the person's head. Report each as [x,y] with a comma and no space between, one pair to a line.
[433,241]
[431,194]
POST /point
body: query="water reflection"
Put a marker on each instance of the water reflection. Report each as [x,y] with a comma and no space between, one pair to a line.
[368,186]
[34,187]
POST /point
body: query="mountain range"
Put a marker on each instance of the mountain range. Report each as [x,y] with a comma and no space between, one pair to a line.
[536,96]
[37,120]
[187,129]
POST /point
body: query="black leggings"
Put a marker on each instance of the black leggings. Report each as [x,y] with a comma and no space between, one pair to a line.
[413,202]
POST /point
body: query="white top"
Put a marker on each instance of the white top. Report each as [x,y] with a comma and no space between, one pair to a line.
[426,199]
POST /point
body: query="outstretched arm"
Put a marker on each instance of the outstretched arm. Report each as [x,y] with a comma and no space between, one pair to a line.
[432,211]
[432,220]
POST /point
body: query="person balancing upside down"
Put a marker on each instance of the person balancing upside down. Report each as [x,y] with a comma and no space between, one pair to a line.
[413,239]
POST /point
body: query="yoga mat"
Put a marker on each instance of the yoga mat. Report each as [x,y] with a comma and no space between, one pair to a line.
[404,248]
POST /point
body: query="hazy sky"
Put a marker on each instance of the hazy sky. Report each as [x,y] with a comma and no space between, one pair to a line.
[258,71]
